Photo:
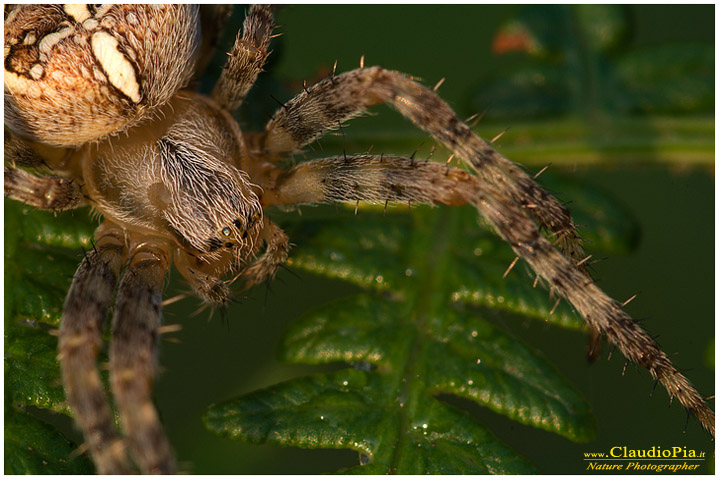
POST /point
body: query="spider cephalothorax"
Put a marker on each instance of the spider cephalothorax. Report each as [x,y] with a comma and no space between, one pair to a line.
[94,93]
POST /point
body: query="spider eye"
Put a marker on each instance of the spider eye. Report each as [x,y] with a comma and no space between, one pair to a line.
[237,224]
[226,231]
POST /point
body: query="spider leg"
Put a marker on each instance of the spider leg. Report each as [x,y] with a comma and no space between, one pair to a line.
[507,197]
[43,192]
[246,58]
[46,192]
[369,178]
[600,311]
[132,355]
[80,340]
[20,152]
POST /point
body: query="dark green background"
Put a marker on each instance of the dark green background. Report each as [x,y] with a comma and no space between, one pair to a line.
[672,268]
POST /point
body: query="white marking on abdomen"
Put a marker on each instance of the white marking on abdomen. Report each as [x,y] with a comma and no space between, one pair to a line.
[49,41]
[119,70]
[79,11]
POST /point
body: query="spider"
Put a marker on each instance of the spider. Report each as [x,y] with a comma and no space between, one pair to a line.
[95,93]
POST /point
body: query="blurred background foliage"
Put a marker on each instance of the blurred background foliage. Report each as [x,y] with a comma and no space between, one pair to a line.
[619,99]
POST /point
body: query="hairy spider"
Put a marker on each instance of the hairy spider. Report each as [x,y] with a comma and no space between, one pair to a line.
[94,93]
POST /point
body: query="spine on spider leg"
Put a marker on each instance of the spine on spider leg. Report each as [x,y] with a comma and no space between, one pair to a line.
[606,316]
[429,112]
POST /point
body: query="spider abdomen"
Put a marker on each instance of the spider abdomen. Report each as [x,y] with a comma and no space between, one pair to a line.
[76,73]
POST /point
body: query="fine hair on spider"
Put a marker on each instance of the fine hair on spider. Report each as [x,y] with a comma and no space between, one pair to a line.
[96,93]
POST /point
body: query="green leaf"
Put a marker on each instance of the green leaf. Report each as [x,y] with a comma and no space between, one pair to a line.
[455,351]
[42,252]
[341,411]
[386,408]
[32,375]
[35,448]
